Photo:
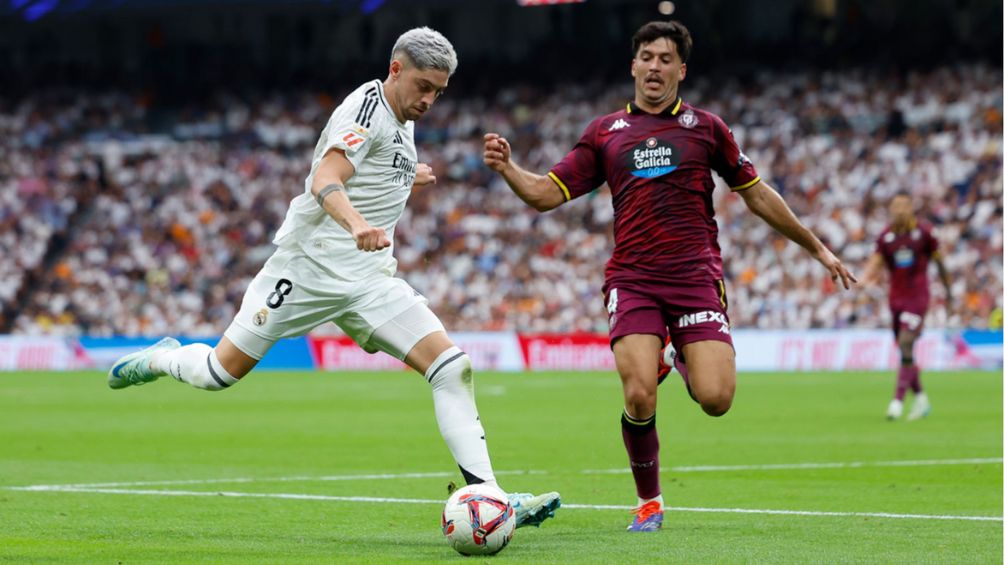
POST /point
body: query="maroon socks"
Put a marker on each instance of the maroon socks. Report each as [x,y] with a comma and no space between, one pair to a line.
[642,442]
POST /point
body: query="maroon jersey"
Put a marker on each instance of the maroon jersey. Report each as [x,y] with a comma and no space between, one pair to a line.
[907,255]
[659,168]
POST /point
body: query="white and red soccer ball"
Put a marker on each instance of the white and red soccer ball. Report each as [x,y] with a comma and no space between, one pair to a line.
[478,520]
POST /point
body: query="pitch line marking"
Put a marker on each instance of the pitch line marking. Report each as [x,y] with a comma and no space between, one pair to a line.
[382,500]
[445,474]
[795,466]
[361,477]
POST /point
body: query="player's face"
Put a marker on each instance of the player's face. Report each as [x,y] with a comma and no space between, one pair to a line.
[901,210]
[417,90]
[657,71]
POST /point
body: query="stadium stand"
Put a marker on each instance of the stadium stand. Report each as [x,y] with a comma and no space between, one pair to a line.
[123,218]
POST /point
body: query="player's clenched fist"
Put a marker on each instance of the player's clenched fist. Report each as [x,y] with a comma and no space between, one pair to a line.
[497,152]
[423,175]
[369,238]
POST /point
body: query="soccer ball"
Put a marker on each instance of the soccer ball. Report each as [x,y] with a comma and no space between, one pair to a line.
[478,520]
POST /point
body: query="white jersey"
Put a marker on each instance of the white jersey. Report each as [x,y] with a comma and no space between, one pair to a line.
[382,150]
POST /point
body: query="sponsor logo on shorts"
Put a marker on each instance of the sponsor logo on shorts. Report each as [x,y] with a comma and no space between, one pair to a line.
[706,317]
[260,317]
[910,320]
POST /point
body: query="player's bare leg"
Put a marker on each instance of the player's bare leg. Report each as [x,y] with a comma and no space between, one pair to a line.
[636,356]
[711,365]
[449,371]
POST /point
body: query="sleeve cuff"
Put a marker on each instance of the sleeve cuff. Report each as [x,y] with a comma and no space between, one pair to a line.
[561,185]
[746,185]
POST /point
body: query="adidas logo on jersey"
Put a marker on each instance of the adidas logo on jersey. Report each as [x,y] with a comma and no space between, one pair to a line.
[619,124]
[397,138]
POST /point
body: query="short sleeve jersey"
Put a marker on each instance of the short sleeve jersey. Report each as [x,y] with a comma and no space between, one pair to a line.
[382,150]
[658,167]
[907,255]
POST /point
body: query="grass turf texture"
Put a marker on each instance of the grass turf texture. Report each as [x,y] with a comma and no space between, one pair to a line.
[70,429]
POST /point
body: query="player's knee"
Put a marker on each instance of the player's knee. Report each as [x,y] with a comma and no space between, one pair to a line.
[640,401]
[717,402]
[452,369]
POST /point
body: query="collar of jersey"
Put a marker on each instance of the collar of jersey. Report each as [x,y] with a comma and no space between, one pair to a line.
[670,110]
[383,100]
[909,228]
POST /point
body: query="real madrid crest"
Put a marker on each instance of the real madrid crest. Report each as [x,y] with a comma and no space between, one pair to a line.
[688,119]
[260,317]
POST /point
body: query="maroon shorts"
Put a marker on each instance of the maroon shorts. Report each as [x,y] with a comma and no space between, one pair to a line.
[691,311]
[911,318]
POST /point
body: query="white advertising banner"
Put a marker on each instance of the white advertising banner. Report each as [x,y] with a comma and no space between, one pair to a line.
[30,353]
[489,351]
[841,350]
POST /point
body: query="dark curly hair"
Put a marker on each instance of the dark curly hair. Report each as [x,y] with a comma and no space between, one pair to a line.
[674,30]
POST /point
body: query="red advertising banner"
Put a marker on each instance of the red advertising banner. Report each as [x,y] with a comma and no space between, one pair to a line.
[340,353]
[557,352]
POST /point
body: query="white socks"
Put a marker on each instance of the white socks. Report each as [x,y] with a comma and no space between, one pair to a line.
[644,501]
[452,380]
[195,364]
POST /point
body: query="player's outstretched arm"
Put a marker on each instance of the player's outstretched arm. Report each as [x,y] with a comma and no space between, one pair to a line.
[765,202]
[329,190]
[945,280]
[872,270]
[536,190]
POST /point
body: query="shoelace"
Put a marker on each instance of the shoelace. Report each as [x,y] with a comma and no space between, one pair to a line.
[645,511]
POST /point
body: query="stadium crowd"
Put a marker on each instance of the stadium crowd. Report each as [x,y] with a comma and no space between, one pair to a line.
[122,218]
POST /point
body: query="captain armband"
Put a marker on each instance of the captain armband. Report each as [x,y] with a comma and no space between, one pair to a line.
[326,191]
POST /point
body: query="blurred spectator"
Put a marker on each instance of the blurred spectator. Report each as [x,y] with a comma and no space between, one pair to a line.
[167,215]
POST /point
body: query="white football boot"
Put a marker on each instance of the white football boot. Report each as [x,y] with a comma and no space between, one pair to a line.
[895,409]
[135,369]
[921,407]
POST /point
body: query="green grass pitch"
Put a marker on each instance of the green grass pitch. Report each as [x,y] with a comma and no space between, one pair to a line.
[282,455]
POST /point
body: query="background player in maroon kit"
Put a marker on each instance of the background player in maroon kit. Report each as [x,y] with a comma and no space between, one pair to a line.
[657,156]
[905,248]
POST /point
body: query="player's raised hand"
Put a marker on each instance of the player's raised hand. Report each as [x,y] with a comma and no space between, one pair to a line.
[423,175]
[369,238]
[837,269]
[497,152]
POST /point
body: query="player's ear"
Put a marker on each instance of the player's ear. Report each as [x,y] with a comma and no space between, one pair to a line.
[683,71]
[634,61]
[395,69]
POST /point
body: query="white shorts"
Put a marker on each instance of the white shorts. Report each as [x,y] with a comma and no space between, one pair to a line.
[292,294]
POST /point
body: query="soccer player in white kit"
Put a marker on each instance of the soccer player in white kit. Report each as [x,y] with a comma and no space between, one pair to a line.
[335,262]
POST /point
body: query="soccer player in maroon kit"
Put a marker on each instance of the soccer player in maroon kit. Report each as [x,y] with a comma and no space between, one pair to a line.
[906,247]
[665,274]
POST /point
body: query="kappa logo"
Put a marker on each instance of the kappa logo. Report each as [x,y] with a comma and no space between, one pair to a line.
[708,316]
[612,307]
[619,124]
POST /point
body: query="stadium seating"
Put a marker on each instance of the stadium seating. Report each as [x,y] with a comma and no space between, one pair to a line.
[122,218]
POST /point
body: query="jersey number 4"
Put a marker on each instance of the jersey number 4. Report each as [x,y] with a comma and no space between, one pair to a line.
[282,288]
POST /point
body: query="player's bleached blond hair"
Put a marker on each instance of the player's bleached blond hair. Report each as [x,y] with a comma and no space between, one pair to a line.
[426,48]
